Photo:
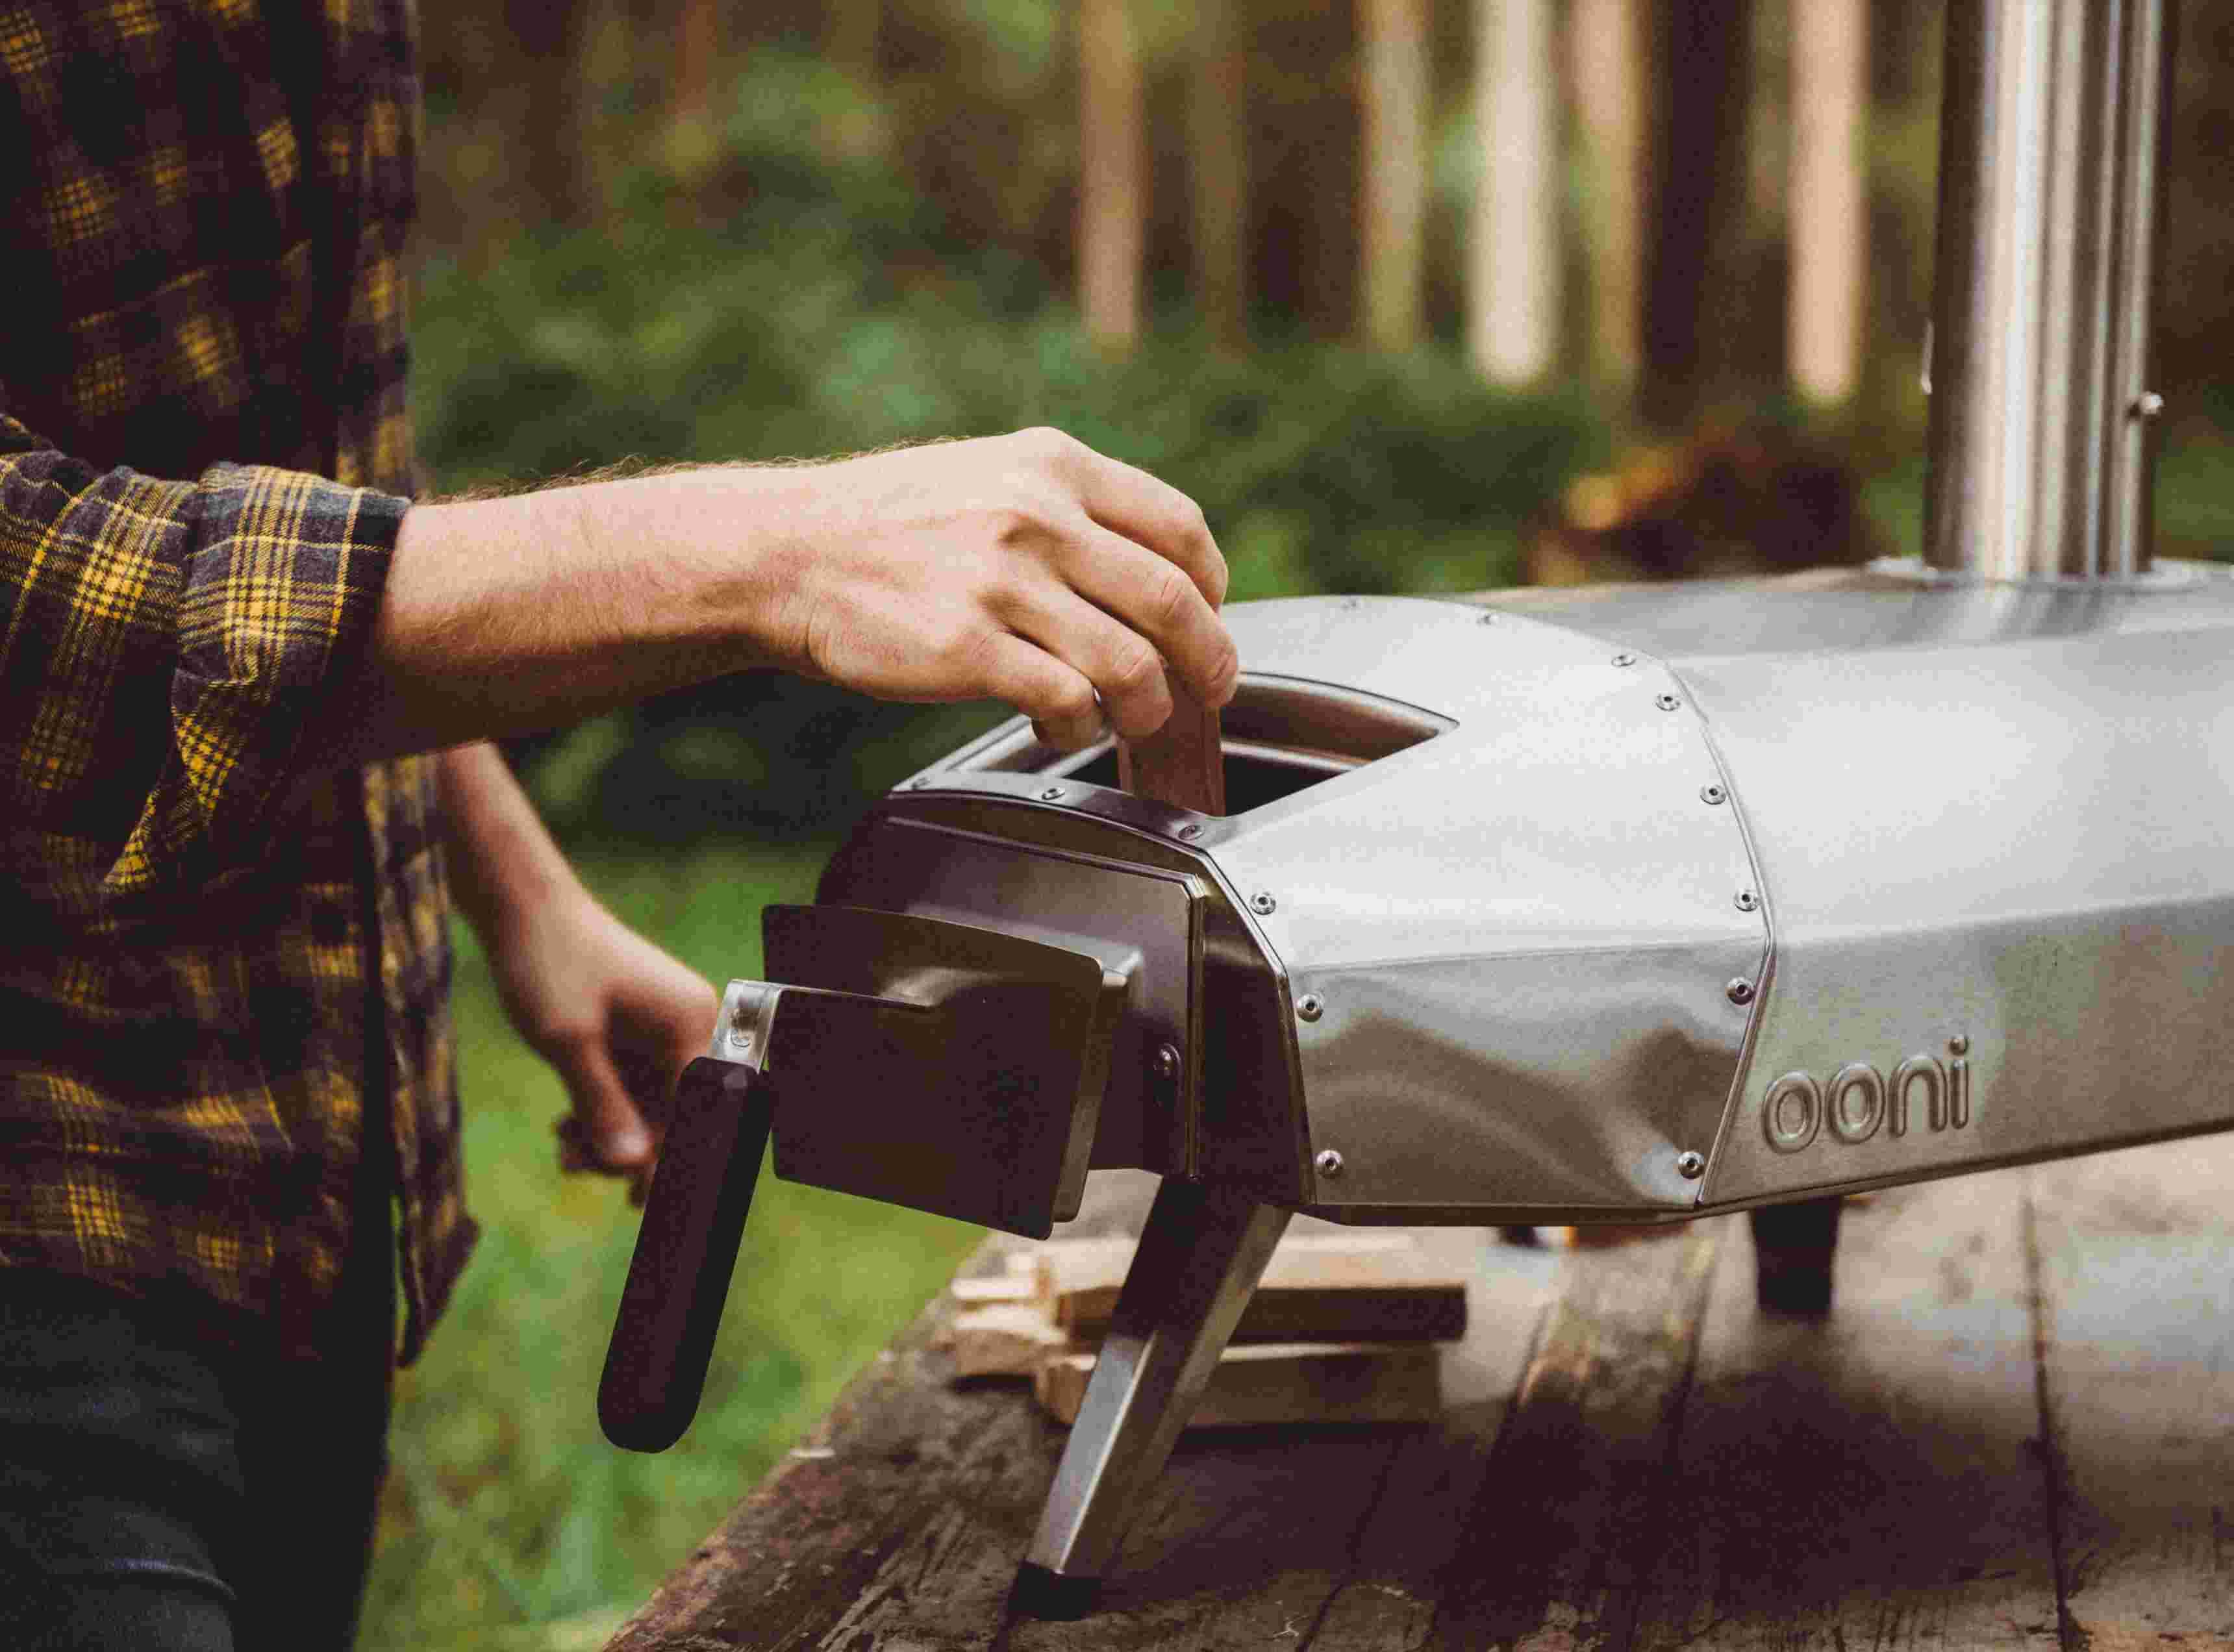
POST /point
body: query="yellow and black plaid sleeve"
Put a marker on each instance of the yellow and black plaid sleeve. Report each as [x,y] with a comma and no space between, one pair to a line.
[224,963]
[165,649]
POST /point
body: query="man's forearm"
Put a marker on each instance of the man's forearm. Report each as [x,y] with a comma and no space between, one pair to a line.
[504,616]
[1024,568]
[501,858]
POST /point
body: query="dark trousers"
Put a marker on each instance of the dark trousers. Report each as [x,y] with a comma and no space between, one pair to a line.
[161,1490]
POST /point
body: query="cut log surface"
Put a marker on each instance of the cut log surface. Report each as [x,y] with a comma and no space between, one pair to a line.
[2015,1429]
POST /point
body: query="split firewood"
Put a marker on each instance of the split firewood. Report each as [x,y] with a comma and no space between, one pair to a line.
[1017,1285]
[1182,763]
[1275,1383]
[1318,1288]
[1003,1339]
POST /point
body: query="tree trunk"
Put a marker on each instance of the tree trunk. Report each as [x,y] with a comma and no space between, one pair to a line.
[1218,136]
[1830,230]
[1692,306]
[850,37]
[1393,62]
[1514,324]
[543,105]
[1112,174]
[1605,62]
[697,41]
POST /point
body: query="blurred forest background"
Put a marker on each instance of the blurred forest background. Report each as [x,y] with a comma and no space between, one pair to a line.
[1412,295]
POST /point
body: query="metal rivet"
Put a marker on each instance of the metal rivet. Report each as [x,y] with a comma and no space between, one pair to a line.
[1310,1006]
[1740,990]
[1191,829]
[2147,405]
[1712,795]
[1666,701]
[1328,1163]
[1747,901]
[1261,903]
[1958,1045]
[1168,1060]
[1050,793]
[1690,1166]
[1625,659]
[918,782]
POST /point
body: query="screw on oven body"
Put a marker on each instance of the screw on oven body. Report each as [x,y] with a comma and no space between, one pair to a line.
[1262,904]
[1690,1165]
[1711,793]
[1666,701]
[1167,1061]
[1748,901]
[1624,658]
[1192,829]
[1739,991]
[1051,795]
[1310,1006]
[1328,1163]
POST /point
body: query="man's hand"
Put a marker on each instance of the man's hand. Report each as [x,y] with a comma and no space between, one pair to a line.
[1026,568]
[617,1017]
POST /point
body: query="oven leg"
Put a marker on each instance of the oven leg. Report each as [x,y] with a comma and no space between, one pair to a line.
[1792,1245]
[1200,1258]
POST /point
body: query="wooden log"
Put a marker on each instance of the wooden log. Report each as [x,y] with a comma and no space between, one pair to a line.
[1003,1339]
[985,1292]
[1182,763]
[1369,1288]
[1273,1384]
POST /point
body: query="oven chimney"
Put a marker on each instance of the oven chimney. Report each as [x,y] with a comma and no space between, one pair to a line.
[2041,438]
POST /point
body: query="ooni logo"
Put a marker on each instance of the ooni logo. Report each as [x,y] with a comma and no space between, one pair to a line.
[1859,1098]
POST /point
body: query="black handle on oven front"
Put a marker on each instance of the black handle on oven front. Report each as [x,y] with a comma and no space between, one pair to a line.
[685,1253]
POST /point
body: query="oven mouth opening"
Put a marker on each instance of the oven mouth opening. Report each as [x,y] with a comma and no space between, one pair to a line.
[1281,736]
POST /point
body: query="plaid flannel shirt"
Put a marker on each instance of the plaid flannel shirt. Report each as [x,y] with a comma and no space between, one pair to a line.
[214,950]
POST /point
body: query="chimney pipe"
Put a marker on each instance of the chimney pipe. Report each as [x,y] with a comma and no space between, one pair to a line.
[2042,415]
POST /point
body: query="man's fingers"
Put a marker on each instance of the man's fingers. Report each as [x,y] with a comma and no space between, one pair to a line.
[1155,514]
[612,1131]
[1123,666]
[1159,602]
[1057,697]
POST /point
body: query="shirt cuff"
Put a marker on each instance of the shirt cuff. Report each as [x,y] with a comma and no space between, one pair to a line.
[282,576]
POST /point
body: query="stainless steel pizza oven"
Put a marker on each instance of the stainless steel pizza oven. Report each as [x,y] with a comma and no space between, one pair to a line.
[1634,906]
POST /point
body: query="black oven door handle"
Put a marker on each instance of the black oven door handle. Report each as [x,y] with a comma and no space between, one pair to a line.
[686,1252]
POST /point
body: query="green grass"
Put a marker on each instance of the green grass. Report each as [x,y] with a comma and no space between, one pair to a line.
[508,1521]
